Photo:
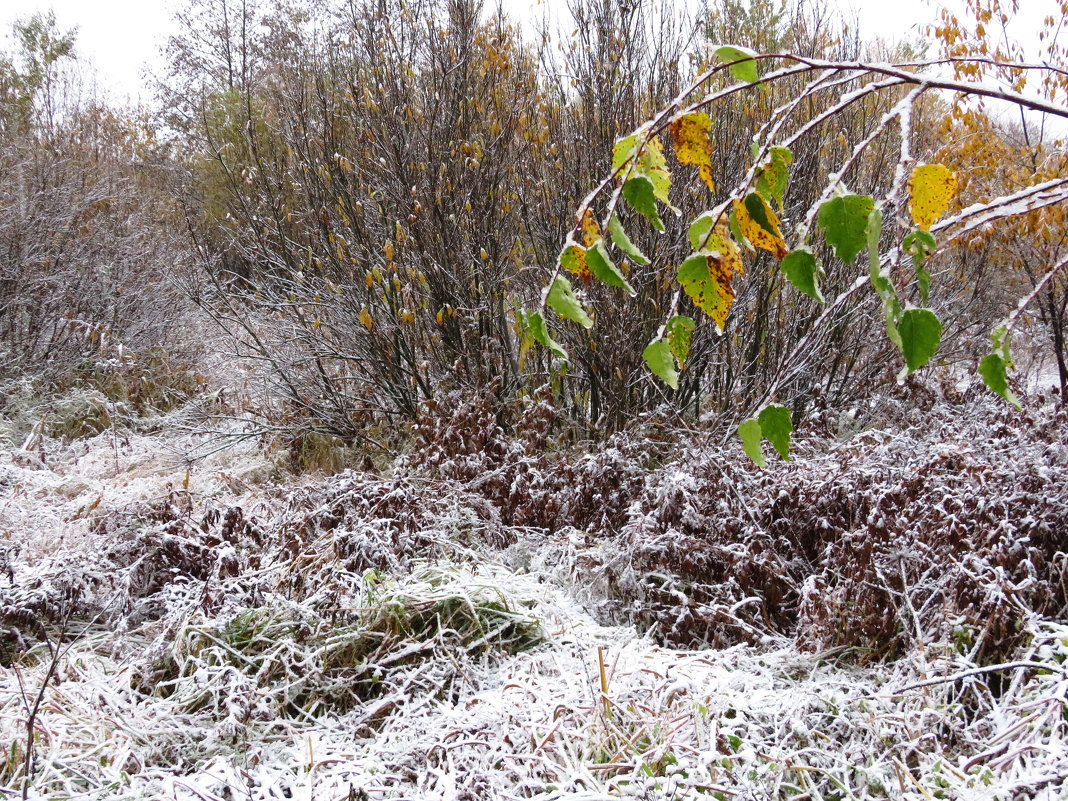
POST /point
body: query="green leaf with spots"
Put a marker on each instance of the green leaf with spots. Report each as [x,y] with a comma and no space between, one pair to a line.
[622,241]
[563,301]
[844,221]
[921,332]
[605,269]
[993,370]
[657,356]
[774,174]
[573,259]
[743,65]
[679,332]
[624,149]
[760,213]
[751,435]
[776,426]
[639,193]
[803,271]
[653,165]
[706,278]
[931,188]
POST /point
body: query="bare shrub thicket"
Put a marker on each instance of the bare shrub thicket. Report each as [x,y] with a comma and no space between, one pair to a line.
[899,537]
[87,239]
[885,543]
[377,188]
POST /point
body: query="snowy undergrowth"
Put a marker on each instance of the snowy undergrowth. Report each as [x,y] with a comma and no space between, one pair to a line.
[218,635]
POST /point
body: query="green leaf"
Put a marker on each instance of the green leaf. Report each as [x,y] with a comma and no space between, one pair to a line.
[992,369]
[534,323]
[657,355]
[699,230]
[605,269]
[746,67]
[776,425]
[803,271]
[679,330]
[751,435]
[921,332]
[844,221]
[773,175]
[919,244]
[880,279]
[622,241]
[623,150]
[873,230]
[563,301]
[640,194]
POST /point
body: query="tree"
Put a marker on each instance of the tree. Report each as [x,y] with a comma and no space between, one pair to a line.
[1019,150]
[896,221]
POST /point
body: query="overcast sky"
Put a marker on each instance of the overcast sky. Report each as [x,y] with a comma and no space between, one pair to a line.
[123,37]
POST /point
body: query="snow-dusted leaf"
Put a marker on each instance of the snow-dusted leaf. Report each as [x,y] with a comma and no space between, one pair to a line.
[743,65]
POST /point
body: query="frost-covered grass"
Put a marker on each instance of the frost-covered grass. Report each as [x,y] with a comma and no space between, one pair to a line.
[224,632]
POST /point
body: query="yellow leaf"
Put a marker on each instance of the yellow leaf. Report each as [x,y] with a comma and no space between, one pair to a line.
[573,259]
[761,233]
[365,318]
[692,145]
[591,231]
[724,249]
[388,250]
[931,187]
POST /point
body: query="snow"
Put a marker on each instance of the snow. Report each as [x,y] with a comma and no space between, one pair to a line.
[220,687]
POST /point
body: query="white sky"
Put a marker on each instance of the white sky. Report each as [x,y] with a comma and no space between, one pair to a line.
[121,37]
